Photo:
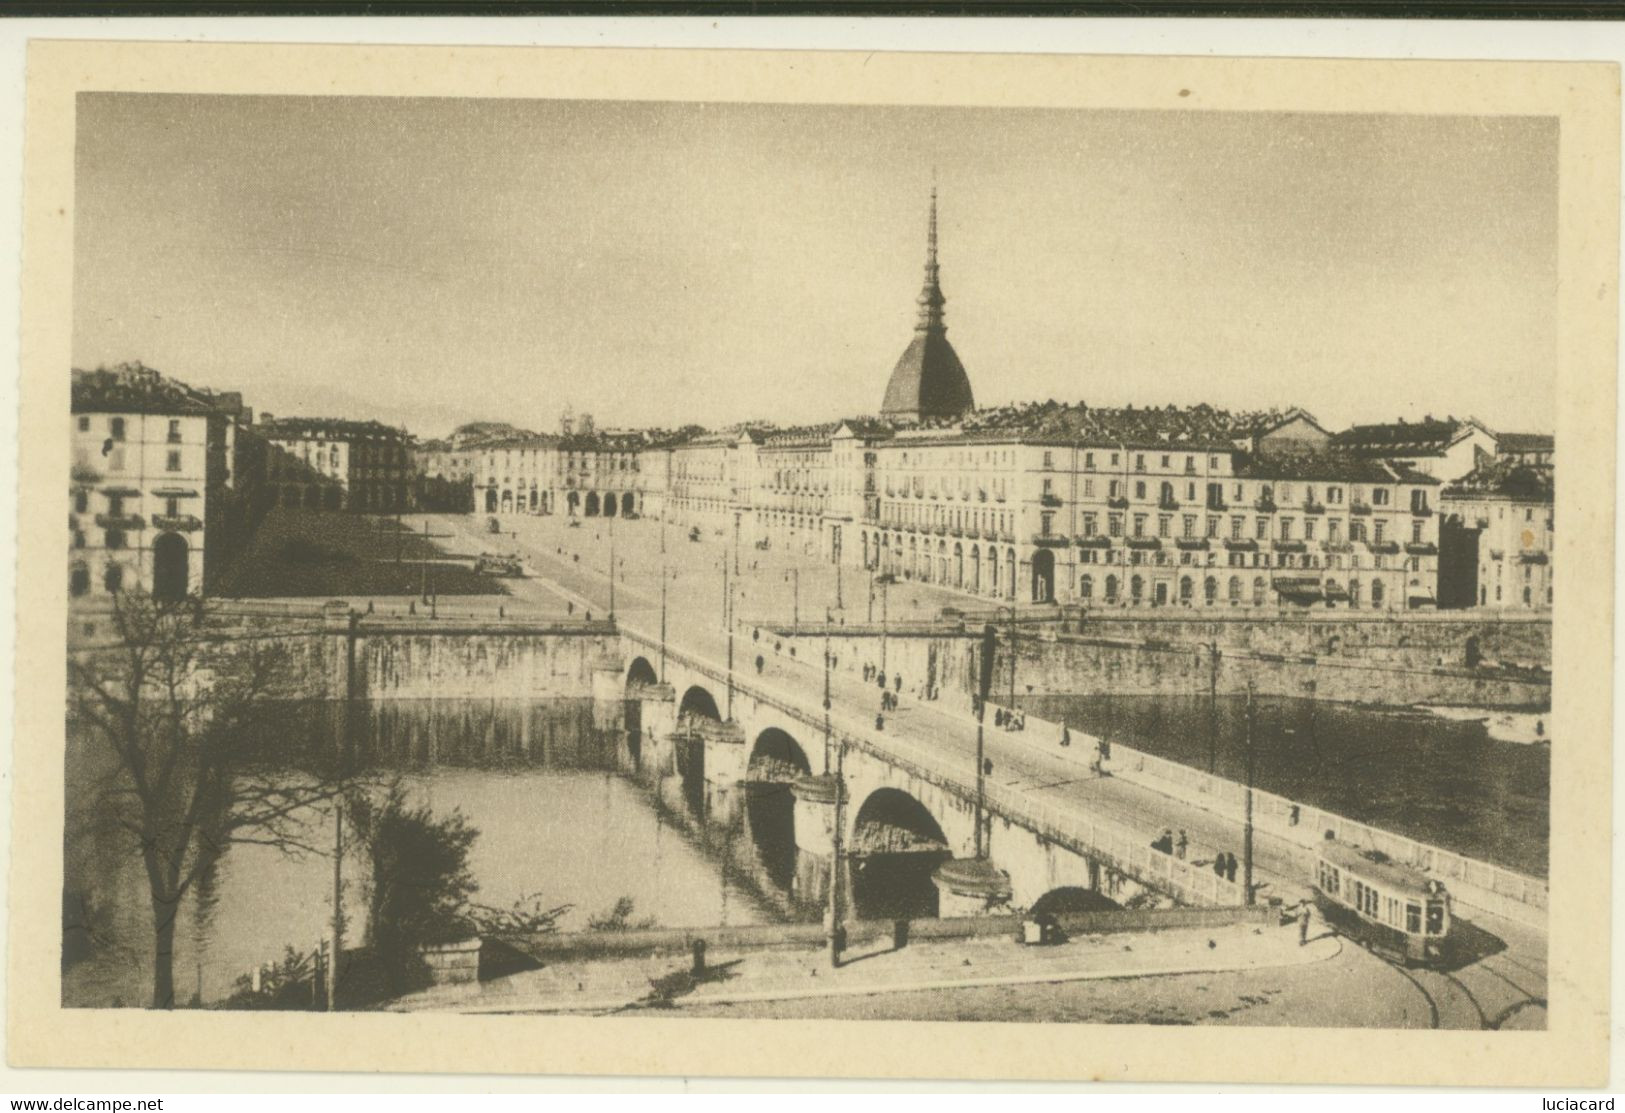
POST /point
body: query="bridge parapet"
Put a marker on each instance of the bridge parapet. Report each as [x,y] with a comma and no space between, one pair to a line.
[1117,847]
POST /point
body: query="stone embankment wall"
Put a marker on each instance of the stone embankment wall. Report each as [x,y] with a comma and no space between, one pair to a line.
[1397,660]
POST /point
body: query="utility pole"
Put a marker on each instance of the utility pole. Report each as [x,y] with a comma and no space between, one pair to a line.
[795,597]
[1247,830]
[837,850]
[871,597]
[662,594]
[885,587]
[612,570]
[728,621]
[1012,657]
[338,911]
[1212,706]
[840,601]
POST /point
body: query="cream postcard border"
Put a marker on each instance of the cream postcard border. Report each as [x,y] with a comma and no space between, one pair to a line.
[1573,1051]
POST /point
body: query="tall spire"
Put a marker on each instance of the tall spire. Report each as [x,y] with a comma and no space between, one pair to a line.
[931,299]
[928,381]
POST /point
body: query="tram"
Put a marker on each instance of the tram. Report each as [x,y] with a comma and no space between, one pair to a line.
[1396,910]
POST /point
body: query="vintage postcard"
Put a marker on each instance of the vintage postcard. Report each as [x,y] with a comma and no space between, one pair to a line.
[937,566]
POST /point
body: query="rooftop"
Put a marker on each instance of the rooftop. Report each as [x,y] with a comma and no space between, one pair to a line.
[1331,467]
[1526,442]
[1428,437]
[1504,478]
[331,429]
[135,388]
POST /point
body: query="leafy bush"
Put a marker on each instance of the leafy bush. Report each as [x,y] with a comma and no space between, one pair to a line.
[421,881]
[619,918]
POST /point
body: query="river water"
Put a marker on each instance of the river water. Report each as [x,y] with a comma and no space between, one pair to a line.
[563,835]
[560,825]
[1440,781]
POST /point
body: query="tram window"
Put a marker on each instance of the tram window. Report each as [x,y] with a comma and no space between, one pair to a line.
[1390,911]
[1413,918]
[1435,917]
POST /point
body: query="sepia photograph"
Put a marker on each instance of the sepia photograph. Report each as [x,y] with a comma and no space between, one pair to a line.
[703,558]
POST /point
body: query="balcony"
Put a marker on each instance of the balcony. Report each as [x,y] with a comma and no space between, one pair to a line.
[1310,506]
[1241,545]
[1049,500]
[1386,548]
[183,523]
[1118,503]
[1290,546]
[1264,504]
[1192,544]
[1421,510]
[1532,557]
[1422,548]
[1167,504]
[1051,540]
[1359,508]
[120,521]
[1144,543]
[1337,546]
[1096,542]
[1217,504]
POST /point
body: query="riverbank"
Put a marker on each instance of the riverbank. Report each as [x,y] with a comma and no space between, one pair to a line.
[745,976]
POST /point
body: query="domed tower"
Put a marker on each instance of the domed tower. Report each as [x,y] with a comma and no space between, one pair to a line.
[928,381]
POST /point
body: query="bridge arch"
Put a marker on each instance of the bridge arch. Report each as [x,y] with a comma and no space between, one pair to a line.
[1071,898]
[698,702]
[697,708]
[640,675]
[776,762]
[896,846]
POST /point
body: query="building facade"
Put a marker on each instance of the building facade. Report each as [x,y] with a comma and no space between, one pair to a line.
[331,464]
[149,464]
[1497,537]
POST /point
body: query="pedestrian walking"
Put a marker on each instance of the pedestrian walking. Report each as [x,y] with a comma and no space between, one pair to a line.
[1181,844]
[1303,924]
[1230,867]
[880,722]
[1066,741]
[899,680]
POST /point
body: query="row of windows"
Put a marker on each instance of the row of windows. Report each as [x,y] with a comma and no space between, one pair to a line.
[1235,592]
[1287,528]
[1163,558]
[116,428]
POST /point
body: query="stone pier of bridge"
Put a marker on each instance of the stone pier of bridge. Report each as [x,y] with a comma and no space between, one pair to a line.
[908,838]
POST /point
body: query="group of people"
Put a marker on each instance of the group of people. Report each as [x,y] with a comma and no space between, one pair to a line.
[1166,843]
[875,673]
[1009,720]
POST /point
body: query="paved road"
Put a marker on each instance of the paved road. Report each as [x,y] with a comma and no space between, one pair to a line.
[774,586]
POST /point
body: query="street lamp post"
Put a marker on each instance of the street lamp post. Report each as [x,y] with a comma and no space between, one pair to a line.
[1247,829]
[612,570]
[1212,706]
[885,588]
[837,932]
[1012,657]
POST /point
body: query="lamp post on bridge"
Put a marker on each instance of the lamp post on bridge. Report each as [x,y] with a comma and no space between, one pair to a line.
[1247,829]
[662,594]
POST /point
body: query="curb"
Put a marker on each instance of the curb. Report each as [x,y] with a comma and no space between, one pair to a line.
[874,990]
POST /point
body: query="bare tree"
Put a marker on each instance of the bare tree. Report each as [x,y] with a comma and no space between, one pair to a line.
[185,709]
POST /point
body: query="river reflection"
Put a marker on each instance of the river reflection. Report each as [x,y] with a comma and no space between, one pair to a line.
[1441,781]
[576,831]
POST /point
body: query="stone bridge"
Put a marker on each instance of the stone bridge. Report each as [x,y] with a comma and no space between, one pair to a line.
[752,752]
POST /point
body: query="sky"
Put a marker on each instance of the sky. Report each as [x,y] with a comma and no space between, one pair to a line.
[429,262]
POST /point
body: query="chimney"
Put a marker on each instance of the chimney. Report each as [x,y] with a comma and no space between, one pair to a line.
[266,417]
